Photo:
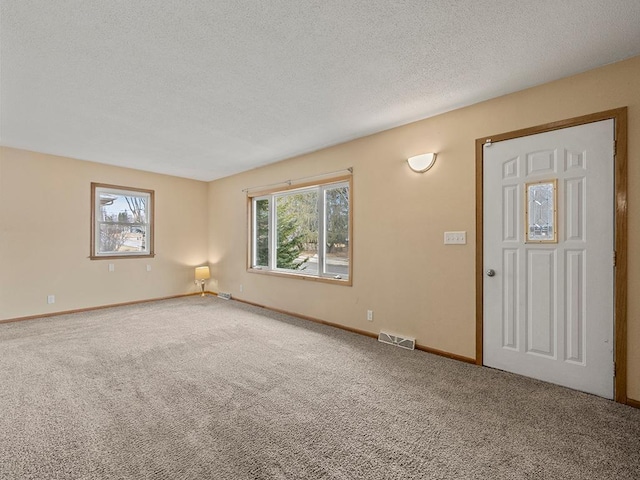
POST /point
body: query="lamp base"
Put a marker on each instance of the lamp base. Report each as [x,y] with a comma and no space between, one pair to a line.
[202,286]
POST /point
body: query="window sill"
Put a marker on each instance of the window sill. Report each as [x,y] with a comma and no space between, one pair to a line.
[111,257]
[297,276]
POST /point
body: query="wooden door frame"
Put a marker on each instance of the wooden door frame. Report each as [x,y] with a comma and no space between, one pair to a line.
[619,116]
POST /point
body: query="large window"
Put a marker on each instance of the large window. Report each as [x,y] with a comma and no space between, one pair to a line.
[303,231]
[121,222]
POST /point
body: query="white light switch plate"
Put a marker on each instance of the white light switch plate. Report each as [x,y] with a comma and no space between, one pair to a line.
[455,238]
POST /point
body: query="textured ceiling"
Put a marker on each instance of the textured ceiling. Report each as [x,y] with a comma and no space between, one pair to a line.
[207,88]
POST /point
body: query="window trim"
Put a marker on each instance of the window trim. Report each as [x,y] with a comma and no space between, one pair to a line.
[322,184]
[94,255]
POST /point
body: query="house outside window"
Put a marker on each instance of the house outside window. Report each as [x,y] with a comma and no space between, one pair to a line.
[121,222]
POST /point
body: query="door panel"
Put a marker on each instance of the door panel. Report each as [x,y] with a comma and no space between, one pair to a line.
[575,312]
[510,315]
[548,310]
[541,302]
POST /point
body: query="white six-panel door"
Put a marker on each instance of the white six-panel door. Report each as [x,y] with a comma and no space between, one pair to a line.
[548,307]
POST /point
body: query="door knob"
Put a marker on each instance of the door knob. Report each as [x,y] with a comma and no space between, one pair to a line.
[491,272]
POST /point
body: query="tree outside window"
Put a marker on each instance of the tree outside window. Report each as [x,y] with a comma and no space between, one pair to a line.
[303,231]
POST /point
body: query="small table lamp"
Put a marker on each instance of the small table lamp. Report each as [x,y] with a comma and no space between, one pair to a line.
[202,274]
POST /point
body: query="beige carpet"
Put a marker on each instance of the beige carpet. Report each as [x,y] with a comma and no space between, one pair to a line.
[202,388]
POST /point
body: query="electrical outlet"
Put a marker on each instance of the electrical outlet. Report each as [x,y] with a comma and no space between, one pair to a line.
[51,299]
[148,268]
[112,267]
[241,288]
[370,315]
[455,238]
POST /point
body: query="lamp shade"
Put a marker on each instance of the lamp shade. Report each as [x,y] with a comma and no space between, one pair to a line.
[202,273]
[422,163]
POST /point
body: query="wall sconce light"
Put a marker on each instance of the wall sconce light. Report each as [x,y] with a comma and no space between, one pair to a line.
[422,163]
[202,274]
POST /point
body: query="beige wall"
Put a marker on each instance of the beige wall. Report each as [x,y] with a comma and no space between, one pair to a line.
[416,285]
[45,229]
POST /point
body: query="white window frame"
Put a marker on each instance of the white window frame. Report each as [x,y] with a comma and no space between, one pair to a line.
[272,196]
[96,220]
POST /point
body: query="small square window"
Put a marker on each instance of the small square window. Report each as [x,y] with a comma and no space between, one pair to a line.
[121,222]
